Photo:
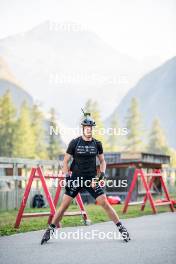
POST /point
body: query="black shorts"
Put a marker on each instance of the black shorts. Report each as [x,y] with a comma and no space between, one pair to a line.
[72,190]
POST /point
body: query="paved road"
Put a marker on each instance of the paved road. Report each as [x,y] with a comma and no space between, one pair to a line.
[153,242]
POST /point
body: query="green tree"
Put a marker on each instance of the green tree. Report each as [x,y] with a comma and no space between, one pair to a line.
[157,139]
[134,140]
[99,131]
[7,125]
[24,143]
[54,142]
[114,139]
[172,153]
[37,122]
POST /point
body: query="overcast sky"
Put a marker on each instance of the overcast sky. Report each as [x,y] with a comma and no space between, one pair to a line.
[139,28]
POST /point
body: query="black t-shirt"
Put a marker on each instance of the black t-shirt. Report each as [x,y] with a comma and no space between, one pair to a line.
[84,156]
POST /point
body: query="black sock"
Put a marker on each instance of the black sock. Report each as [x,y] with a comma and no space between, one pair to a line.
[52,225]
[119,224]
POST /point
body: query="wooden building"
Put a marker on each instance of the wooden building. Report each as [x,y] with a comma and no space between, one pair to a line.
[121,167]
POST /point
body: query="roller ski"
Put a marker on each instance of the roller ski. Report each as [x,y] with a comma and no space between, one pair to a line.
[47,235]
[124,234]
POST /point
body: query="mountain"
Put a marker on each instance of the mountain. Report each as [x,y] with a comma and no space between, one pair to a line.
[156,93]
[9,82]
[19,95]
[63,68]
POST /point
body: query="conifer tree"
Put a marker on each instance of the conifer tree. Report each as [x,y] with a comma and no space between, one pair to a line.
[24,143]
[99,131]
[37,122]
[54,142]
[134,140]
[7,125]
[157,139]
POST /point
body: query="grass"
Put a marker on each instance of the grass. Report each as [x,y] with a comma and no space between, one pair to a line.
[95,213]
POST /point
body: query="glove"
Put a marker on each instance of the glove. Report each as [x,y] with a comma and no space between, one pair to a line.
[102,176]
[98,179]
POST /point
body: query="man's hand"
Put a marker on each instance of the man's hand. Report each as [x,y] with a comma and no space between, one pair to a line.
[102,176]
[96,180]
[67,175]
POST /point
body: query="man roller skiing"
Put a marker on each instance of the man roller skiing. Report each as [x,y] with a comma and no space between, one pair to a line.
[84,151]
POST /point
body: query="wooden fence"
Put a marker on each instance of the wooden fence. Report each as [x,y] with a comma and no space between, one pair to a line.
[12,199]
[14,174]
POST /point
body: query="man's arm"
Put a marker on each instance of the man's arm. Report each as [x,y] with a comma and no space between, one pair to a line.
[102,163]
[102,170]
[67,158]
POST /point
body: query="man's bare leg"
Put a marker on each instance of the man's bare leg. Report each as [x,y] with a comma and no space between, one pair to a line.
[102,200]
[57,217]
[66,201]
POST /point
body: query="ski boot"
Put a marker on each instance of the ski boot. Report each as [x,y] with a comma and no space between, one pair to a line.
[48,233]
[124,233]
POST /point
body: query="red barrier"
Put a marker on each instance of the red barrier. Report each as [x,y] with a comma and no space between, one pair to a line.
[36,173]
[140,173]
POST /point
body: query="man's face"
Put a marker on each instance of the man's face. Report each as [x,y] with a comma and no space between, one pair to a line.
[87,131]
